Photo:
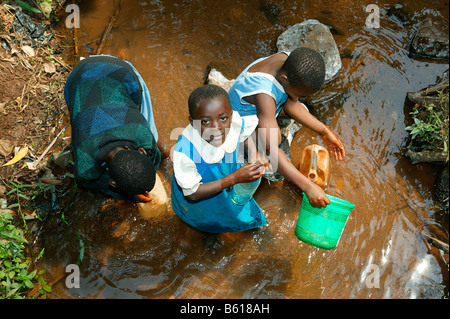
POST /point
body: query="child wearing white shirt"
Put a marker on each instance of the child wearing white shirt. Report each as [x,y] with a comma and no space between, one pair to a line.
[206,165]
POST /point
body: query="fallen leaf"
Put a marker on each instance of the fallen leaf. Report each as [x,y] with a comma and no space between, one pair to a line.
[49,67]
[28,50]
[6,147]
[20,154]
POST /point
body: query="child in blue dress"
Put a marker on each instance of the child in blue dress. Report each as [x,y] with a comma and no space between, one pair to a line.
[206,165]
[273,84]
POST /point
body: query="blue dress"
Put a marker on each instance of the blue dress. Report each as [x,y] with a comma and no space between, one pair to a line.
[251,83]
[215,213]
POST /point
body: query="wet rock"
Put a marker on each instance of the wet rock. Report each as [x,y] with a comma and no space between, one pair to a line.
[64,159]
[426,157]
[288,128]
[431,40]
[315,35]
[442,185]
[271,11]
[400,12]
[217,78]
[430,95]
[322,97]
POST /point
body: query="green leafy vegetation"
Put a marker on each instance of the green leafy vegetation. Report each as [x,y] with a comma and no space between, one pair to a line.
[15,279]
[430,128]
[44,6]
[17,190]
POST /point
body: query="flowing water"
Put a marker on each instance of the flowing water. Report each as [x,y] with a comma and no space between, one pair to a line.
[381,254]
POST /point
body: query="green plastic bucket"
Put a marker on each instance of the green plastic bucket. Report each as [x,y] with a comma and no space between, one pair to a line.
[322,227]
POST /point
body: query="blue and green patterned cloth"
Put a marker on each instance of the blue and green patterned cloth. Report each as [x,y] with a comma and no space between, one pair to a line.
[105,98]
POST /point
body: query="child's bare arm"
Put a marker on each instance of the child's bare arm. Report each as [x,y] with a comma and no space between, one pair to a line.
[245,174]
[255,155]
[299,113]
[279,160]
[315,194]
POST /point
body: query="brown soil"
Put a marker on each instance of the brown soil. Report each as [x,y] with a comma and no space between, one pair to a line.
[32,106]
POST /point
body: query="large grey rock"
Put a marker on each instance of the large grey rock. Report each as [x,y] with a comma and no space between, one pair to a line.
[431,40]
[315,35]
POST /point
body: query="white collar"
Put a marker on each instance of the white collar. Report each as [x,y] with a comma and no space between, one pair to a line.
[210,153]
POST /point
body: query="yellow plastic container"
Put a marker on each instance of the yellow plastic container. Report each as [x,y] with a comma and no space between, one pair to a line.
[315,165]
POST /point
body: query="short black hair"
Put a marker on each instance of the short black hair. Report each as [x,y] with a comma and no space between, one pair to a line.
[305,68]
[207,91]
[133,172]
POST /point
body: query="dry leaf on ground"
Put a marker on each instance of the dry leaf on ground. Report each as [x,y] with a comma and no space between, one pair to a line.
[20,154]
[28,50]
[6,147]
[49,67]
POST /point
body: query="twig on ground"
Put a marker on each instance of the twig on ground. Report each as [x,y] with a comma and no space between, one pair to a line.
[34,165]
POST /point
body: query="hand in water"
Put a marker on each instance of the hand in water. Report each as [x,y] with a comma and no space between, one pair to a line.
[334,145]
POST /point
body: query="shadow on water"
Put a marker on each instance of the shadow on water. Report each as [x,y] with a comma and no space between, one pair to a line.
[172,43]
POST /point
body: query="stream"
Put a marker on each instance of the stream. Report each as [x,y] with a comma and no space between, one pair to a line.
[171,43]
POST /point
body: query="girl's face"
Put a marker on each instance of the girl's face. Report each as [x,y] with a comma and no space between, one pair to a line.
[214,116]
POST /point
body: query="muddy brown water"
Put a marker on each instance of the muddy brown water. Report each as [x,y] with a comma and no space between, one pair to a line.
[171,43]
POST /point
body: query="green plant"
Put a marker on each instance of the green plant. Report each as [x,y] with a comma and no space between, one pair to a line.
[15,280]
[41,190]
[17,190]
[27,7]
[43,6]
[431,126]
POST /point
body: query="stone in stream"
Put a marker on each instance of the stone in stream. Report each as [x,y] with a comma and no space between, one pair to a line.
[315,35]
[431,40]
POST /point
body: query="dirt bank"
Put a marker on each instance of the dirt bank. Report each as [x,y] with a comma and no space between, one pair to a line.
[32,107]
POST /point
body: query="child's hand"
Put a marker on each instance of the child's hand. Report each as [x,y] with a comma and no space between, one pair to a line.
[248,173]
[258,158]
[144,198]
[334,145]
[316,196]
